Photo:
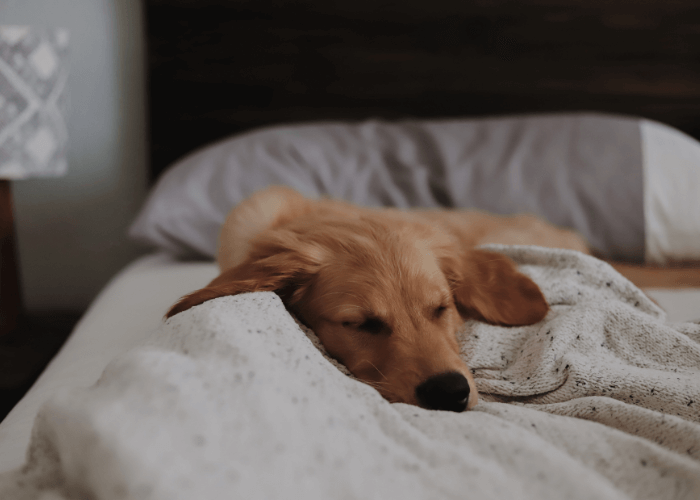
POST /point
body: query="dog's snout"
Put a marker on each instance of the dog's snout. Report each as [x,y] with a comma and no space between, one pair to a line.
[447,391]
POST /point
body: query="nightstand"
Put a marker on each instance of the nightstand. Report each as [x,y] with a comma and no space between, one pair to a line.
[25,352]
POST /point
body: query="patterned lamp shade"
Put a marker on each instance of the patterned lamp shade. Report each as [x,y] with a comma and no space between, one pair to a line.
[33,71]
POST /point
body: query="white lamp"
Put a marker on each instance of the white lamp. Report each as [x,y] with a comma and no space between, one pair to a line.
[33,72]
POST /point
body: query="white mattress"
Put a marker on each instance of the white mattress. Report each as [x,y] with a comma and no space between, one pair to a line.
[131,306]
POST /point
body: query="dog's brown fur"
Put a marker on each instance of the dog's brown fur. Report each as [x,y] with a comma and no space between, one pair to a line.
[385,290]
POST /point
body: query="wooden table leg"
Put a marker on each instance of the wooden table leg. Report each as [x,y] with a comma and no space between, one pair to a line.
[10,291]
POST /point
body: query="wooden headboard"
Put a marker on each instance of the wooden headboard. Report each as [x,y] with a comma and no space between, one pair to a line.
[218,67]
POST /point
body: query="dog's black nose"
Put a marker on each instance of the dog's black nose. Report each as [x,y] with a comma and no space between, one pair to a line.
[447,391]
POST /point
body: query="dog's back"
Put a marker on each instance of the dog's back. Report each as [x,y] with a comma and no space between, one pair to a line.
[277,205]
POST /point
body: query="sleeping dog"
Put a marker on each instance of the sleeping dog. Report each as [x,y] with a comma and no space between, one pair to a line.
[385,290]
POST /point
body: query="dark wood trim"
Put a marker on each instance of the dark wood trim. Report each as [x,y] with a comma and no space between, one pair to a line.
[25,352]
[10,291]
[219,67]
[649,276]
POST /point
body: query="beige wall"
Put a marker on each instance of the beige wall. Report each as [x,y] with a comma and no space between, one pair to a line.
[72,230]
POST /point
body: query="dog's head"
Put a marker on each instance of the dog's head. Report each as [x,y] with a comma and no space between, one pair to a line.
[386,298]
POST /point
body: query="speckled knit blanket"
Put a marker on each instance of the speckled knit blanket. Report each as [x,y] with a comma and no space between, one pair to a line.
[233,399]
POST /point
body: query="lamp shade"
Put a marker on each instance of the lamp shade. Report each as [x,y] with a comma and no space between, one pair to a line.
[33,72]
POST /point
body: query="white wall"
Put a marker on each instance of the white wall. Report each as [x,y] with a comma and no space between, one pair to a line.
[72,230]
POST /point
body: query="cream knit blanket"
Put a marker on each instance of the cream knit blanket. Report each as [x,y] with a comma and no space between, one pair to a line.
[233,400]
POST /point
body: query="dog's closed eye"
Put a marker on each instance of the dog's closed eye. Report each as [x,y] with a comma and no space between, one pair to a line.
[374,326]
[439,311]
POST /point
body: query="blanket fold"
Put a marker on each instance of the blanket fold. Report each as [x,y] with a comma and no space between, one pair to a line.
[235,399]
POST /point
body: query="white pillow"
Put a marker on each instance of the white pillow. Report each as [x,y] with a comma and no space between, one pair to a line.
[671,193]
[584,171]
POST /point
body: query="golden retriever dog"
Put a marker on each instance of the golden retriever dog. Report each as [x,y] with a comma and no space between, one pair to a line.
[385,290]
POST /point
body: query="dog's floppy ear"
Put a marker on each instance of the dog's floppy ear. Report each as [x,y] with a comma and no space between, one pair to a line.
[279,262]
[489,287]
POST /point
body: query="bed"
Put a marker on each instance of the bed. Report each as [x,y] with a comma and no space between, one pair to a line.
[313,83]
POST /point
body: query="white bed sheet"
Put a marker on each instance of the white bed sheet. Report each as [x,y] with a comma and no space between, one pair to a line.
[131,306]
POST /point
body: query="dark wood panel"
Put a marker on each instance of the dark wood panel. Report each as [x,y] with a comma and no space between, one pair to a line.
[27,350]
[219,67]
[10,289]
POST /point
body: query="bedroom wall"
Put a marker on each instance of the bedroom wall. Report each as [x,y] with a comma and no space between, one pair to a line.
[72,230]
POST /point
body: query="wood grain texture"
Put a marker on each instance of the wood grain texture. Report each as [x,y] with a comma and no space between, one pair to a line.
[670,277]
[219,67]
[10,291]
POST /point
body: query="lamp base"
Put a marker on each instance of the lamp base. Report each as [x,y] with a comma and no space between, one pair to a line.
[10,291]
